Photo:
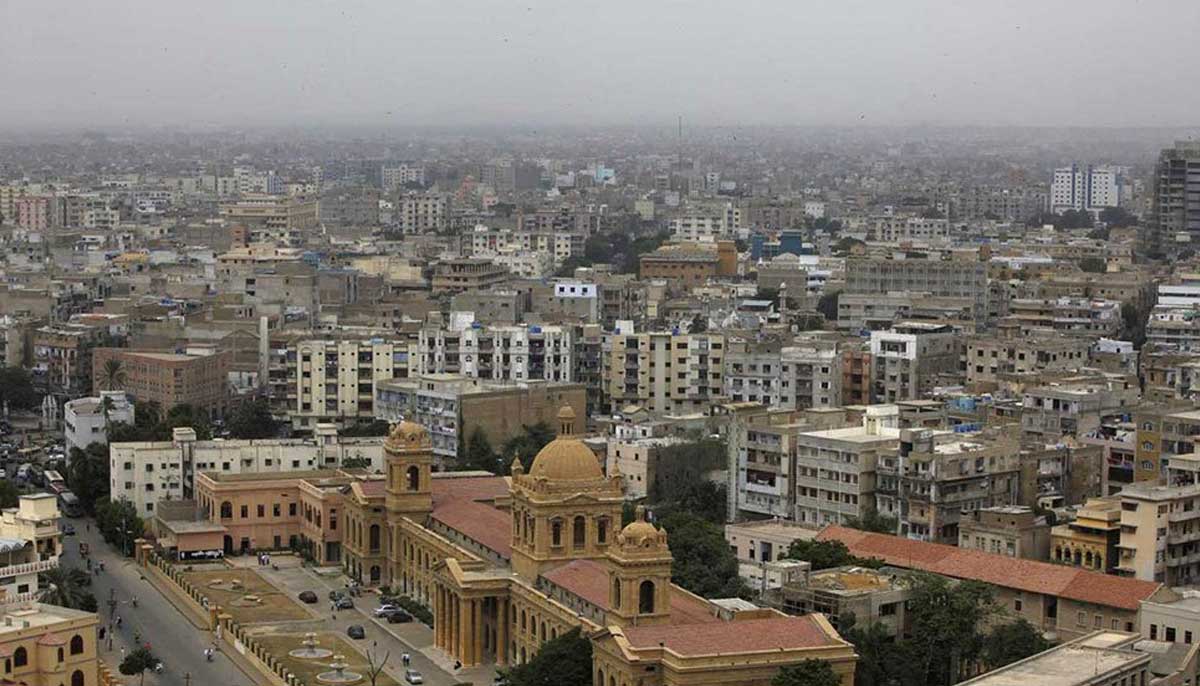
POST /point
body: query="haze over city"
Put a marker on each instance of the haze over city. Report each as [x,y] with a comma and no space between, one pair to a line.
[540,62]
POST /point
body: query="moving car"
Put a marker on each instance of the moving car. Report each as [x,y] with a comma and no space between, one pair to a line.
[386,609]
[308,597]
[412,676]
[68,529]
[335,594]
[356,631]
[344,603]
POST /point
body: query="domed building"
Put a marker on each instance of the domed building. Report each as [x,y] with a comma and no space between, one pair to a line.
[508,563]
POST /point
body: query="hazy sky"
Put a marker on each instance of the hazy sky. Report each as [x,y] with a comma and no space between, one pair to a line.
[419,62]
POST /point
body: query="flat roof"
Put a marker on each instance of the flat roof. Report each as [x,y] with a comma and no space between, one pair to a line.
[39,615]
[1070,664]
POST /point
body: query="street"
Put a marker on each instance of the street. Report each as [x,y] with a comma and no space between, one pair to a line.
[172,638]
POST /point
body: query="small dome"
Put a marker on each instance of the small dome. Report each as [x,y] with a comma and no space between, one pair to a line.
[406,434]
[566,459]
[565,412]
[639,530]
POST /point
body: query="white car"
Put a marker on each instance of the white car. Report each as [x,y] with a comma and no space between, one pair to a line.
[386,610]
[412,676]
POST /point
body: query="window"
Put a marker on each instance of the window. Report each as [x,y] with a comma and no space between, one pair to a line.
[76,644]
[226,510]
[1153,632]
[646,597]
[275,509]
[77,678]
[20,657]
[602,530]
[579,534]
[245,511]
[556,532]
[262,511]
[1081,619]
[1170,636]
[1017,604]
[291,509]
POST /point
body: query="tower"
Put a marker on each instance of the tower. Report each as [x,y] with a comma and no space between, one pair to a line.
[564,508]
[640,574]
[409,456]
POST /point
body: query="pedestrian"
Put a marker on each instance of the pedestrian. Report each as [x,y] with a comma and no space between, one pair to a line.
[405,658]
[118,621]
[123,654]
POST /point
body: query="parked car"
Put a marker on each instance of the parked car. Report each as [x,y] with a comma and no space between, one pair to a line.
[385,609]
[356,631]
[412,676]
[308,597]
[399,617]
[344,603]
[68,529]
[335,595]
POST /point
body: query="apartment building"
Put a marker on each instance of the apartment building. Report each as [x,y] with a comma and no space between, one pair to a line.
[706,224]
[333,380]
[835,469]
[146,472]
[1092,539]
[273,218]
[1176,327]
[86,420]
[930,479]
[991,359]
[895,229]
[1073,407]
[62,358]
[199,376]
[394,176]
[1160,533]
[1091,318]
[911,358]
[466,274]
[689,264]
[30,543]
[761,546]
[753,371]
[500,353]
[663,371]
[874,311]
[811,374]
[1012,530]
[423,213]
[452,407]
[939,277]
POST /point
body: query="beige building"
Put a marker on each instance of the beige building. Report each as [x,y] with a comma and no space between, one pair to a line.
[866,597]
[990,358]
[835,469]
[1102,658]
[1090,540]
[663,371]
[1160,530]
[334,380]
[911,358]
[273,218]
[47,645]
[467,274]
[636,460]
[169,378]
[1011,530]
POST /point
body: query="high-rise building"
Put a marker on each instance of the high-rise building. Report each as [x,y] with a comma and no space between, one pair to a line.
[1084,188]
[1176,192]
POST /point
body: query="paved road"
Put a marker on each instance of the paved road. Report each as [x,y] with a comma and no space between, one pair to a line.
[173,639]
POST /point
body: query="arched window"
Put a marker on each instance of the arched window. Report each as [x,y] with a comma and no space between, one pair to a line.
[579,533]
[61,656]
[543,632]
[616,593]
[414,478]
[612,681]
[556,532]
[373,535]
[20,657]
[76,644]
[599,677]
[602,530]
[553,634]
[376,574]
[77,678]
[522,620]
[226,510]
[646,597]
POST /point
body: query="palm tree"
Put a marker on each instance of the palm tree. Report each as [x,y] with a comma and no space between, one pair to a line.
[67,587]
[112,375]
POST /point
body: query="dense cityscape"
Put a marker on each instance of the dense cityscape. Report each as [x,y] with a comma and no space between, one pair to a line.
[524,379]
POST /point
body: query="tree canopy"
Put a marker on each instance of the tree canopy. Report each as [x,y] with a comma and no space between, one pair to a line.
[16,389]
[703,562]
[807,673]
[562,661]
[1093,265]
[826,554]
[874,522]
[252,419]
[1007,643]
[88,474]
[119,523]
[138,662]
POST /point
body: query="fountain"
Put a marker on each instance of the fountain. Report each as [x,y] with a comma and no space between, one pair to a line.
[248,600]
[310,651]
[338,675]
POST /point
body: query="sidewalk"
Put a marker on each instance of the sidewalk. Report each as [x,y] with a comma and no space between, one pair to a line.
[423,643]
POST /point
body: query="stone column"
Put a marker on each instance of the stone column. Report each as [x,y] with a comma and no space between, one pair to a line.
[502,620]
[477,638]
[464,629]
[439,624]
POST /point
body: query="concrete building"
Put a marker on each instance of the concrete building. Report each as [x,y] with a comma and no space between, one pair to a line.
[86,420]
[911,358]
[1084,188]
[811,374]
[874,311]
[938,277]
[835,469]
[467,273]
[1176,206]
[334,380]
[146,472]
[47,644]
[395,176]
[761,546]
[272,218]
[1087,317]
[990,359]
[63,358]
[1073,407]
[451,407]
[422,213]
[498,353]
[636,460]
[865,597]
[199,378]
[753,371]
[1012,530]
[30,543]
[1091,539]
[1158,541]
[690,264]
[1101,658]
[662,371]
[929,480]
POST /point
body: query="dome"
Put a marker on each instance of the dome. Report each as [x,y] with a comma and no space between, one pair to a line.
[566,459]
[407,435]
[639,531]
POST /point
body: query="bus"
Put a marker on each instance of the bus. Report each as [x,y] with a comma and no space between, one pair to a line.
[68,504]
[54,482]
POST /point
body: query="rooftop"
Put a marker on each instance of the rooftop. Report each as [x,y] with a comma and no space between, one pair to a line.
[1079,662]
[723,638]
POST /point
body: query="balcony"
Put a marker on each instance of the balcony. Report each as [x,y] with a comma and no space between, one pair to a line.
[29,568]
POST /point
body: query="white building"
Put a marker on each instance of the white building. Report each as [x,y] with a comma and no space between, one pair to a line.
[513,353]
[395,176]
[86,420]
[145,472]
[30,543]
[1076,188]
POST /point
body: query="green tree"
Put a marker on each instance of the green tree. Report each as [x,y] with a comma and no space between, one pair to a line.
[479,453]
[16,389]
[846,244]
[827,305]
[703,562]
[252,419]
[67,587]
[184,416]
[882,660]
[1093,265]
[562,661]
[807,673]
[821,554]
[1133,324]
[88,474]
[119,523]
[356,462]
[9,495]
[1010,642]
[112,375]
[138,662]
[874,522]
[699,324]
[1118,217]
[373,428]
[944,619]
[527,444]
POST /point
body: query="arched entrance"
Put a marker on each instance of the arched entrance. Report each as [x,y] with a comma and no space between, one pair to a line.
[228,545]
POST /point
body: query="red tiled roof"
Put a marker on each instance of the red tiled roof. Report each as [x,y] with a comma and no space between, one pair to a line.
[469,488]
[51,639]
[775,633]
[481,523]
[588,579]
[374,488]
[999,570]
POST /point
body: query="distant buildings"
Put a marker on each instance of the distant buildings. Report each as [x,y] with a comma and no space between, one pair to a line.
[1176,205]
[1084,188]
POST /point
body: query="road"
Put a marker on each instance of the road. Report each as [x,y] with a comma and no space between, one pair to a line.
[172,638]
